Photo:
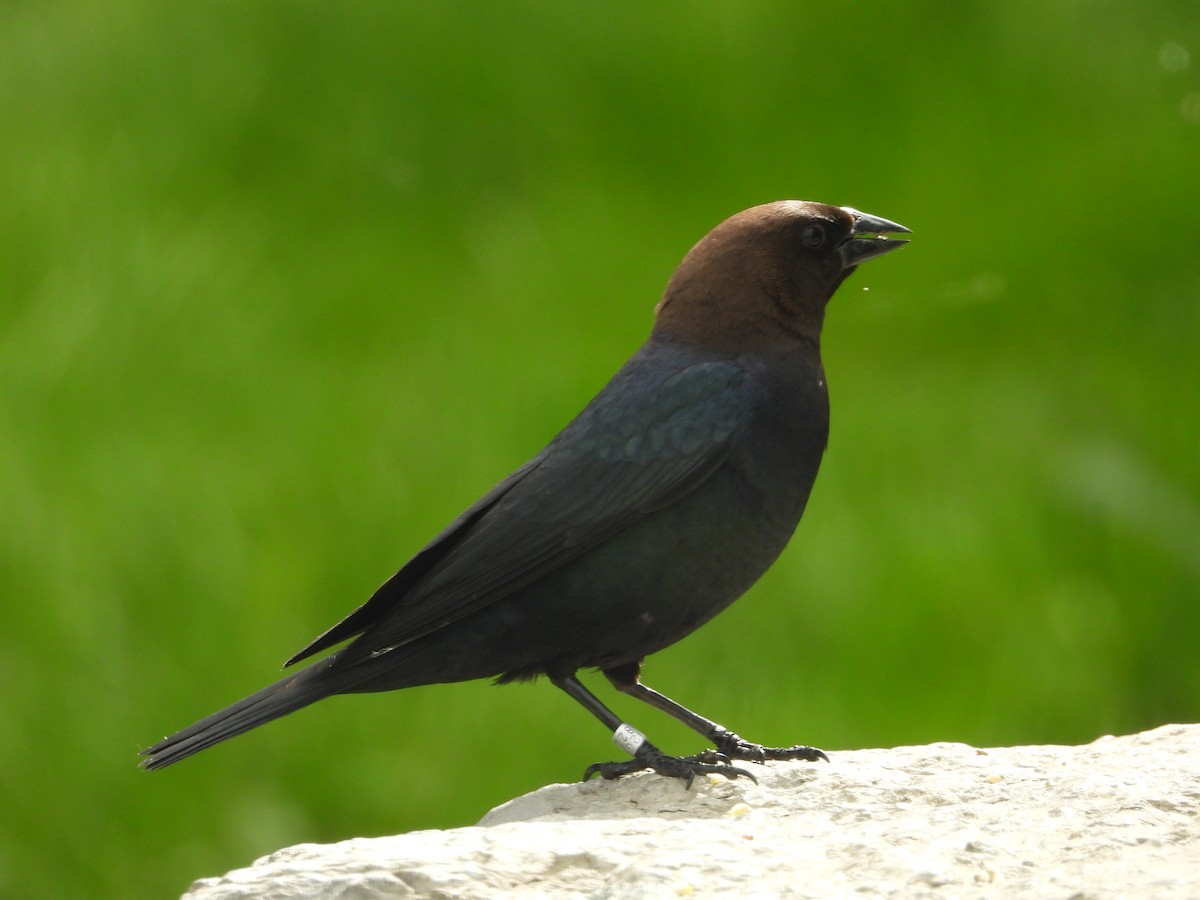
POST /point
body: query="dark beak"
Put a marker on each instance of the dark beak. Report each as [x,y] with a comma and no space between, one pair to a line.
[868,239]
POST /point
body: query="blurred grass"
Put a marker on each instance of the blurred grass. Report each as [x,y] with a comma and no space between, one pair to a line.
[286,286]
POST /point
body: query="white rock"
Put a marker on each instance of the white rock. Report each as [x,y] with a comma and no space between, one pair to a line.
[1116,818]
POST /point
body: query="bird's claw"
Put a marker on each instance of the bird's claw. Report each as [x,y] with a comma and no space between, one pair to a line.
[684,767]
[733,747]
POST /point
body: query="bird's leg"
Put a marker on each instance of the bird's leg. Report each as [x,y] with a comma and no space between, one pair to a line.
[645,754]
[728,745]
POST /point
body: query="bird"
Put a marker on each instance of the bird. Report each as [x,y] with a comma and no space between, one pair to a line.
[654,509]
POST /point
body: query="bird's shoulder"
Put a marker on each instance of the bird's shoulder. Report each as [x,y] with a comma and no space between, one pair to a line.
[663,402]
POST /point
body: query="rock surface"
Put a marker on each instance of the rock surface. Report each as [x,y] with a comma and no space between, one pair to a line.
[1119,817]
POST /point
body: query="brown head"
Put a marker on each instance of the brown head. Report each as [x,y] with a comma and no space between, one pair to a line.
[761,278]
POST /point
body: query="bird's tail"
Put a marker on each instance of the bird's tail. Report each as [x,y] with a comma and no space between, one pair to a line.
[284,696]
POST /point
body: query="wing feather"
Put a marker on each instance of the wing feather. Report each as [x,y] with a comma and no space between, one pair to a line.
[642,444]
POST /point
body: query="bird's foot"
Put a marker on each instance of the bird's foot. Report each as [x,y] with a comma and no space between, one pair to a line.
[686,767]
[730,746]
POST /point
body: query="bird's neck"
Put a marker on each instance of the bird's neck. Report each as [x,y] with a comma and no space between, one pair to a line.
[768,327]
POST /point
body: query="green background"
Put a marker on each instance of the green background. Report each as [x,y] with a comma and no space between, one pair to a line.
[285,286]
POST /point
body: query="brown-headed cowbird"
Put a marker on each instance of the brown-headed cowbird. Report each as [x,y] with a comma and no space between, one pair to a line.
[657,507]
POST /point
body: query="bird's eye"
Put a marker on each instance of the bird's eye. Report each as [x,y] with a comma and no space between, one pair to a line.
[813,236]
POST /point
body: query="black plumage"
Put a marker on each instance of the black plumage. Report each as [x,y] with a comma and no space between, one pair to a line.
[653,510]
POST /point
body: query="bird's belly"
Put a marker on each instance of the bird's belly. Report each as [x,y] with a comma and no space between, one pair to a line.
[657,582]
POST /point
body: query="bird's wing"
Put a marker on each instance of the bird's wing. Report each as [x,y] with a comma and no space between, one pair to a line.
[643,443]
[420,565]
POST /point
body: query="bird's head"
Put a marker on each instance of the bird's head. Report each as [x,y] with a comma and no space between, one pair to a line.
[762,277]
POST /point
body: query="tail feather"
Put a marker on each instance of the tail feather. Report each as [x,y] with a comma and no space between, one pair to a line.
[284,696]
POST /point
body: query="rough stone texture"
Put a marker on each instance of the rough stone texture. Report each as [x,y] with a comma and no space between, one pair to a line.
[1117,818]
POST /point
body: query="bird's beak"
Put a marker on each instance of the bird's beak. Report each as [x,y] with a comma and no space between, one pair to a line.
[868,239]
